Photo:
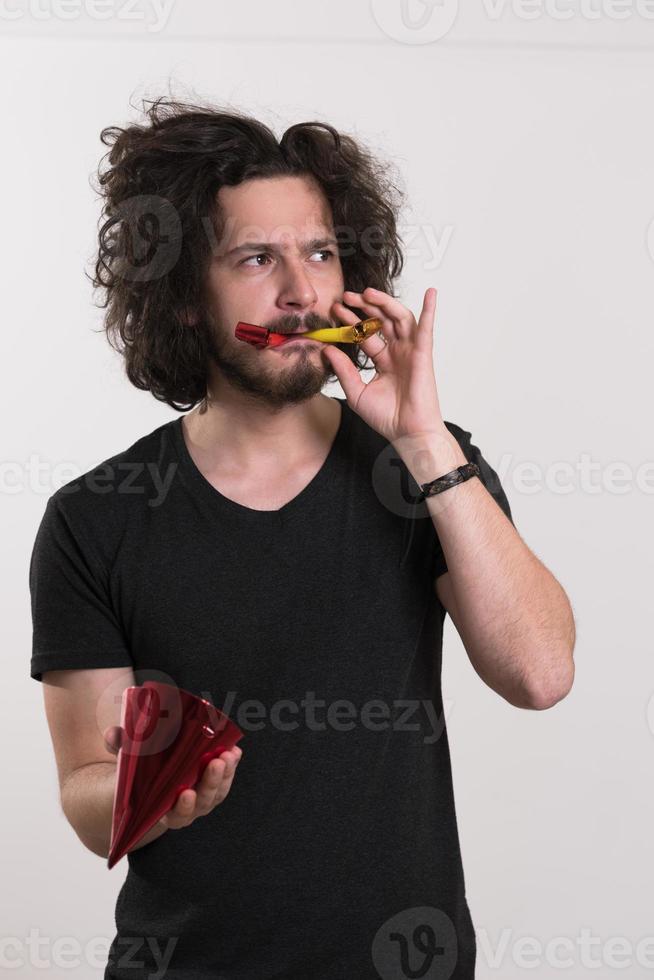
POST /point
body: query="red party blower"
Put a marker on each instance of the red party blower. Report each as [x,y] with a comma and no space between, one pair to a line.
[169,735]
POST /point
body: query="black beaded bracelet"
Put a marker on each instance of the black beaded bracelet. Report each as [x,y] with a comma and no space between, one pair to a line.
[459,475]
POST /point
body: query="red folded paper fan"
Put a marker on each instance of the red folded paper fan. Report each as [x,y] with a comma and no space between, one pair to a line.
[169,736]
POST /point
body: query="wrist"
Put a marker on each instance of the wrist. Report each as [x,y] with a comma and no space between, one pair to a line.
[430,455]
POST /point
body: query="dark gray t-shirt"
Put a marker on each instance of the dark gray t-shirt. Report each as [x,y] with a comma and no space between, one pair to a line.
[316,627]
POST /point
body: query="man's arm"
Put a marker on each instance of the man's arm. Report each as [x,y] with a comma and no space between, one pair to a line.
[87,801]
[513,617]
[86,767]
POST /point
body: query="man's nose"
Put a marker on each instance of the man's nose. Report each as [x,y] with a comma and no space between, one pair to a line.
[297,289]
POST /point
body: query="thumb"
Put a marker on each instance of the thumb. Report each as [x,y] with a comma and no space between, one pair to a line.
[113,738]
[346,372]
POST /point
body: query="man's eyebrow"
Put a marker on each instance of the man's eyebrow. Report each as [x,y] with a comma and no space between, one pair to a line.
[312,245]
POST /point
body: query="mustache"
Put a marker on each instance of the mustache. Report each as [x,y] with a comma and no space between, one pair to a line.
[291,322]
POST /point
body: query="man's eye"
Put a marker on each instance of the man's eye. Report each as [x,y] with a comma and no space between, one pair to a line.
[259,255]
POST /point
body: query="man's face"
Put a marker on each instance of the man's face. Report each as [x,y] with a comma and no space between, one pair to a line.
[276,265]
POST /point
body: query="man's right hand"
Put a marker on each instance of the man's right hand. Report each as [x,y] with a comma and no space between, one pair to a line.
[212,788]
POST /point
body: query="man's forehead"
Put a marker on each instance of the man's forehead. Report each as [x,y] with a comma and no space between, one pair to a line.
[279,238]
[286,214]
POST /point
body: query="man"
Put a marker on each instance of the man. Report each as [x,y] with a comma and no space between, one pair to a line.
[269,550]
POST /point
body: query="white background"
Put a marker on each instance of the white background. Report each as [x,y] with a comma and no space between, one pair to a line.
[526,145]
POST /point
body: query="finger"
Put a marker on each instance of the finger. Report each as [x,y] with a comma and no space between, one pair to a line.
[181,814]
[372,309]
[113,738]
[232,761]
[390,310]
[225,786]
[346,372]
[217,780]
[402,318]
[425,336]
[345,315]
[210,785]
[377,350]
[374,345]
[230,758]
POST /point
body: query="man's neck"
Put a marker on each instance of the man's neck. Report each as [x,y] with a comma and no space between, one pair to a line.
[245,437]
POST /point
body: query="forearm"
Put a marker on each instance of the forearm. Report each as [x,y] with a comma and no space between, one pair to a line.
[513,616]
[87,801]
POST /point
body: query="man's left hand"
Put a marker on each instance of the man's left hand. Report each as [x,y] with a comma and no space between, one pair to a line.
[401,400]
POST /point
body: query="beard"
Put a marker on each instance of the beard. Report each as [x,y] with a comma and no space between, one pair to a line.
[275,376]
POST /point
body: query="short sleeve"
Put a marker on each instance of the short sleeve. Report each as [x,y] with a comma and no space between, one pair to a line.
[73,623]
[488,477]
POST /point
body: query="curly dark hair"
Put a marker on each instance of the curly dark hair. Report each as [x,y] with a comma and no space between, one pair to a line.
[160,209]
